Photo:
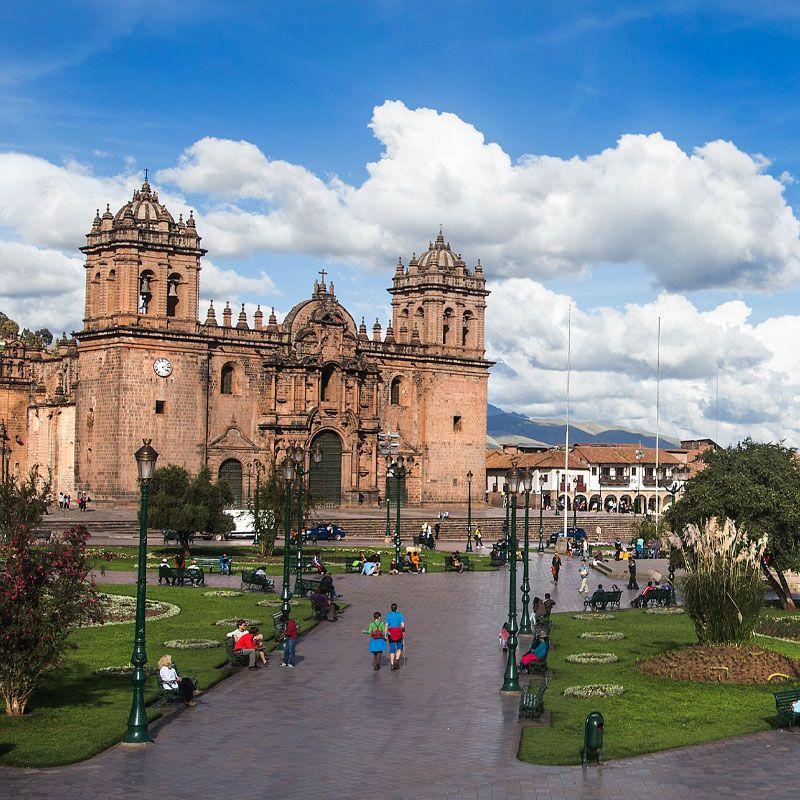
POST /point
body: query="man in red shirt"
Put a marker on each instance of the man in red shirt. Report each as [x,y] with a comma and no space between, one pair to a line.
[290,634]
[246,645]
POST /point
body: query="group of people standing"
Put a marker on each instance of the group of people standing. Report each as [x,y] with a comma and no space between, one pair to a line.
[65,501]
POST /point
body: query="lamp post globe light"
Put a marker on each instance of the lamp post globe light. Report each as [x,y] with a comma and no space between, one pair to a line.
[288,474]
[468,548]
[511,675]
[299,456]
[526,484]
[541,481]
[397,470]
[146,458]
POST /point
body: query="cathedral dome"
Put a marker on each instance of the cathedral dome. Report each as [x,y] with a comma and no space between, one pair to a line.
[144,208]
[439,256]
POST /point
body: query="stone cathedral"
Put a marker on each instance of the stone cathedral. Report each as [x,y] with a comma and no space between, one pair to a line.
[230,393]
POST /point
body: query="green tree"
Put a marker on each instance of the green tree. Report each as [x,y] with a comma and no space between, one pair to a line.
[757,485]
[44,591]
[8,328]
[188,504]
[271,504]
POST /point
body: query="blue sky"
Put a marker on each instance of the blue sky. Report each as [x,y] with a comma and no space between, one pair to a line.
[106,89]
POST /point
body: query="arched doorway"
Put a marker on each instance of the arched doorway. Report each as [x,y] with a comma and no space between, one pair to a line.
[230,472]
[325,478]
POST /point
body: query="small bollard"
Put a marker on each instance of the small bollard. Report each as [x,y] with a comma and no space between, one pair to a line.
[593,737]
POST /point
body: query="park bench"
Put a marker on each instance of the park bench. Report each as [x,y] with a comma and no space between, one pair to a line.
[179,577]
[467,564]
[172,536]
[257,583]
[422,567]
[208,563]
[171,695]
[783,707]
[278,623]
[234,659]
[662,596]
[603,600]
[531,701]
[307,585]
[43,536]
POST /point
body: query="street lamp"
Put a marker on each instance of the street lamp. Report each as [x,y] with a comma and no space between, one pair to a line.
[511,676]
[542,479]
[526,484]
[469,512]
[639,456]
[5,452]
[146,458]
[288,474]
[256,522]
[396,470]
[299,458]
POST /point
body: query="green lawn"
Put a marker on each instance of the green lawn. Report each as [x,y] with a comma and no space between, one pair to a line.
[653,714]
[125,558]
[74,714]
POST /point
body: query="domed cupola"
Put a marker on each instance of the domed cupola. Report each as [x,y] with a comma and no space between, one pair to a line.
[438,256]
[145,209]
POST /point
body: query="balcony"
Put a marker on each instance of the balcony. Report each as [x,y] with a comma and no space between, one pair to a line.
[616,480]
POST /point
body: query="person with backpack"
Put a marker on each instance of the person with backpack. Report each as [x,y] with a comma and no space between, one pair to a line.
[377,639]
[556,567]
[395,630]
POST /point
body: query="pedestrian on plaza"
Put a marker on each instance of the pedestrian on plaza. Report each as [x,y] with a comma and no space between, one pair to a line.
[538,608]
[61,500]
[584,573]
[289,636]
[437,529]
[549,604]
[377,639]
[632,574]
[224,564]
[478,537]
[556,567]
[396,630]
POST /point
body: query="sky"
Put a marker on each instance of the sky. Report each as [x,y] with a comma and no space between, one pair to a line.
[610,163]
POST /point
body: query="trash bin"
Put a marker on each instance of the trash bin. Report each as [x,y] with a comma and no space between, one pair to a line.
[593,737]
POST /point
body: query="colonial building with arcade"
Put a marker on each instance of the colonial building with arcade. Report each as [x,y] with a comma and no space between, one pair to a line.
[232,394]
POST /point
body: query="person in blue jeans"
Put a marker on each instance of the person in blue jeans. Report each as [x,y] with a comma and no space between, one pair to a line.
[395,629]
[224,564]
[290,634]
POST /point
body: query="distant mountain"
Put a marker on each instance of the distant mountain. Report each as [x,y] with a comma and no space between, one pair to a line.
[508,426]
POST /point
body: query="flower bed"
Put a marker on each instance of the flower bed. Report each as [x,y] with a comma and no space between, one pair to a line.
[592,690]
[598,617]
[665,611]
[120,608]
[121,672]
[785,627]
[191,644]
[222,593]
[603,636]
[592,658]
[228,623]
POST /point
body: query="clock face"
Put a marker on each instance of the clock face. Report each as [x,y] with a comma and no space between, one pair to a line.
[162,367]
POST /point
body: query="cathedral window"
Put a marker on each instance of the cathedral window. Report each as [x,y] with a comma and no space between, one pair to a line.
[327,383]
[448,326]
[226,379]
[145,291]
[394,392]
[160,405]
[466,328]
[457,424]
[173,296]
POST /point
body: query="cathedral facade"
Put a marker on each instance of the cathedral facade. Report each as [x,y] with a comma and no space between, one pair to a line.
[232,394]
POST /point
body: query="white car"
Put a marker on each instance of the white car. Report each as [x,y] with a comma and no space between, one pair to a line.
[244,525]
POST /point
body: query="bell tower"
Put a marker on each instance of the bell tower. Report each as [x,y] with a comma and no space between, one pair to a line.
[142,267]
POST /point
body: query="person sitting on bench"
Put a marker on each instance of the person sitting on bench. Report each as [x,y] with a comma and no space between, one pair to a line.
[239,631]
[326,585]
[195,573]
[370,568]
[458,566]
[536,654]
[251,645]
[415,561]
[408,564]
[261,572]
[323,606]
[598,598]
[316,563]
[171,681]
[641,600]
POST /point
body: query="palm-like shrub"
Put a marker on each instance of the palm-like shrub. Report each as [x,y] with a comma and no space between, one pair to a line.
[722,590]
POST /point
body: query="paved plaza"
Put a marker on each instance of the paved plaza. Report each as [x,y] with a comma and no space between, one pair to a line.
[438,729]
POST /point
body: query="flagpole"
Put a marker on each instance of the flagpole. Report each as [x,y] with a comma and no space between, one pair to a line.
[658,414]
[566,434]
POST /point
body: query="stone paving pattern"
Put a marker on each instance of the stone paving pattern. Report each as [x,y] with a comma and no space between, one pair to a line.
[334,728]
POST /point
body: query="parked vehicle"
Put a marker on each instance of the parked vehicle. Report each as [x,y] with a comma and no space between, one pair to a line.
[244,525]
[325,531]
[577,534]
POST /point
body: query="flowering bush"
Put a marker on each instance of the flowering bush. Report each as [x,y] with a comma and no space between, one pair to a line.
[722,589]
[222,593]
[120,608]
[603,636]
[594,690]
[230,623]
[594,617]
[191,644]
[44,591]
[592,658]
[665,611]
[121,672]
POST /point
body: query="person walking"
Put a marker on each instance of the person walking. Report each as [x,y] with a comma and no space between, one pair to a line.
[395,629]
[290,634]
[377,639]
[478,537]
[632,573]
[556,567]
[584,574]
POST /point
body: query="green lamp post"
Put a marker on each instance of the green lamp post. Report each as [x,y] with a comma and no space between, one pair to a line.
[286,594]
[468,548]
[146,458]
[506,523]
[511,675]
[525,623]
[256,501]
[299,457]
[541,481]
[397,470]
